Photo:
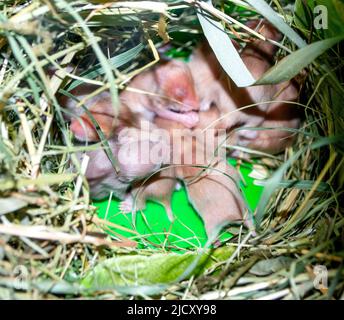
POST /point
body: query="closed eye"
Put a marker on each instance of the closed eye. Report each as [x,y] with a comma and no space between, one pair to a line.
[180,92]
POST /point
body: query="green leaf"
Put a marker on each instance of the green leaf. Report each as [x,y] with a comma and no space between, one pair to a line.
[115,62]
[266,11]
[150,270]
[275,180]
[298,184]
[224,50]
[332,10]
[5,153]
[230,59]
[11,204]
[98,52]
[292,64]
[302,16]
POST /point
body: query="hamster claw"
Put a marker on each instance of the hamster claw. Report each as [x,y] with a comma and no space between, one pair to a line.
[178,186]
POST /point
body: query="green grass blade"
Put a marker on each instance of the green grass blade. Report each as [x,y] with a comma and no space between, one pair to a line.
[266,11]
[224,50]
[291,65]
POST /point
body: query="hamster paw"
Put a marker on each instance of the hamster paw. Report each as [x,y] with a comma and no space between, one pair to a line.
[240,155]
[248,134]
[126,206]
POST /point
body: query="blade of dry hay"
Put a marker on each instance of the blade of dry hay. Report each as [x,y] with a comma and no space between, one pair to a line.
[46,233]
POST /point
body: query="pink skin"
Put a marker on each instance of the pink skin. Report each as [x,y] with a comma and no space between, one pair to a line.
[180,104]
[177,83]
[83,128]
[214,196]
[213,87]
[174,81]
[188,119]
[225,203]
[174,98]
[100,173]
[158,188]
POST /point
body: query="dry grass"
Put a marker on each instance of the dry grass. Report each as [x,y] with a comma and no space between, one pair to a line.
[50,236]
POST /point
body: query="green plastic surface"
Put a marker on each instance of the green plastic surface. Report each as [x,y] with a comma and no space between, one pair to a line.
[152,229]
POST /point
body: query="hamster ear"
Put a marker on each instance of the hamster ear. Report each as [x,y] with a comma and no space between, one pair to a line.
[84,130]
